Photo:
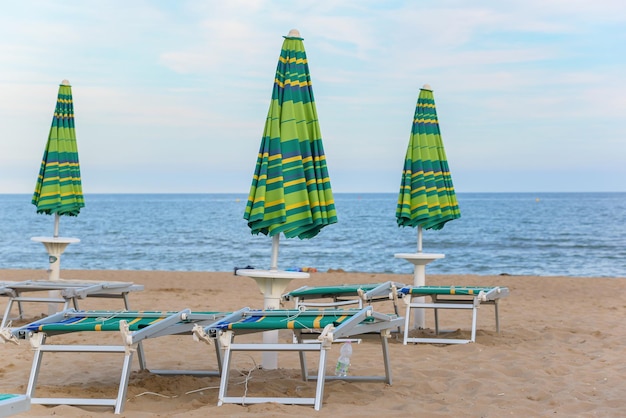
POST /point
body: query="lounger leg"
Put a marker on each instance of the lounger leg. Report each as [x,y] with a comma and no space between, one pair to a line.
[125,297]
[225,375]
[321,377]
[34,371]
[302,355]
[7,312]
[396,310]
[407,319]
[20,309]
[122,390]
[495,303]
[474,315]
[434,300]
[386,361]
[141,357]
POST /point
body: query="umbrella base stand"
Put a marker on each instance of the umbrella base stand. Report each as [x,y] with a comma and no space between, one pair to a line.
[55,246]
[419,261]
[272,284]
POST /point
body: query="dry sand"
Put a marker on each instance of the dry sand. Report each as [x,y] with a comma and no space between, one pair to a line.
[560,353]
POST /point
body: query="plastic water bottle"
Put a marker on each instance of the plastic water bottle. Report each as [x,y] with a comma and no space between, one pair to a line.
[344,359]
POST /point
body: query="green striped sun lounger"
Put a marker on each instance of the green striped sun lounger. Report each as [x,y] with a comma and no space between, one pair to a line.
[11,404]
[345,294]
[134,327]
[332,325]
[449,297]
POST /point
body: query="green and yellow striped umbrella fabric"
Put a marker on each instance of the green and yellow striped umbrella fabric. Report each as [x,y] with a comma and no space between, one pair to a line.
[59,190]
[290,191]
[427,196]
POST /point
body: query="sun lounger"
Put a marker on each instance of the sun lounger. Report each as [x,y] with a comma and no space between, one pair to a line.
[135,327]
[450,297]
[69,292]
[345,294]
[13,404]
[333,324]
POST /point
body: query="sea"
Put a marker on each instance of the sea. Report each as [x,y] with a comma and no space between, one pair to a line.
[544,234]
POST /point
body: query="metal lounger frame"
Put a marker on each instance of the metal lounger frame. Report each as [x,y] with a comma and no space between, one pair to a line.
[70,292]
[172,325]
[355,325]
[438,301]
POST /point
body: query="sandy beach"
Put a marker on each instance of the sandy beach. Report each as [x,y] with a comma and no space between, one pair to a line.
[560,353]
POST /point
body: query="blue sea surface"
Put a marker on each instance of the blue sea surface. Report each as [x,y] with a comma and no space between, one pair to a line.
[546,234]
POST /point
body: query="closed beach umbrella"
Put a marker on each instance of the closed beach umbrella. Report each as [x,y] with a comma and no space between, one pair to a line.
[427,198]
[290,191]
[58,190]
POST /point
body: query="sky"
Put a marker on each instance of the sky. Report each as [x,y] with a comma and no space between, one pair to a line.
[171,96]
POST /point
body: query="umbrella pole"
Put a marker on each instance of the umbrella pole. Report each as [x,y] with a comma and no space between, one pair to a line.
[275,243]
[56,225]
[419,239]
[269,360]
[55,266]
[419,279]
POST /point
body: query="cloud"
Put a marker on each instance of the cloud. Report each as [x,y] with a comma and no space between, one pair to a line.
[177,87]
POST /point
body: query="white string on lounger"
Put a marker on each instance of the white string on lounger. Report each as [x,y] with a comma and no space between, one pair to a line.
[247,374]
[155,394]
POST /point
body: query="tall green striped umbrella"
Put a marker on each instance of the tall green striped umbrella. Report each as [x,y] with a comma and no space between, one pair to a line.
[290,191]
[59,190]
[427,198]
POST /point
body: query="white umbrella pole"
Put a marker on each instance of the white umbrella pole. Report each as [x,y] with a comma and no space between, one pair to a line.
[419,239]
[54,255]
[275,243]
[269,360]
[56,225]
[419,279]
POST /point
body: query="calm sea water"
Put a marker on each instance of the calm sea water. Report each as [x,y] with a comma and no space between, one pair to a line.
[574,234]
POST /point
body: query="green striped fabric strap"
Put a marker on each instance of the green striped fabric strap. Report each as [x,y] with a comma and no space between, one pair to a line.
[330,291]
[449,290]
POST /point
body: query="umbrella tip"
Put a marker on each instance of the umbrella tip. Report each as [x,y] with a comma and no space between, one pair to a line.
[427,87]
[65,82]
[294,33]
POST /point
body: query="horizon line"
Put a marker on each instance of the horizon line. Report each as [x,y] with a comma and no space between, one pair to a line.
[361,193]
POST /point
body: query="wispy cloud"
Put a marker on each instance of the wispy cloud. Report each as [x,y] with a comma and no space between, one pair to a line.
[183,87]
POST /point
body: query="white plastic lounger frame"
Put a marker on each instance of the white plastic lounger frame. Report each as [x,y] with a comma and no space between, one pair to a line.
[438,301]
[13,404]
[175,324]
[357,324]
[70,292]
